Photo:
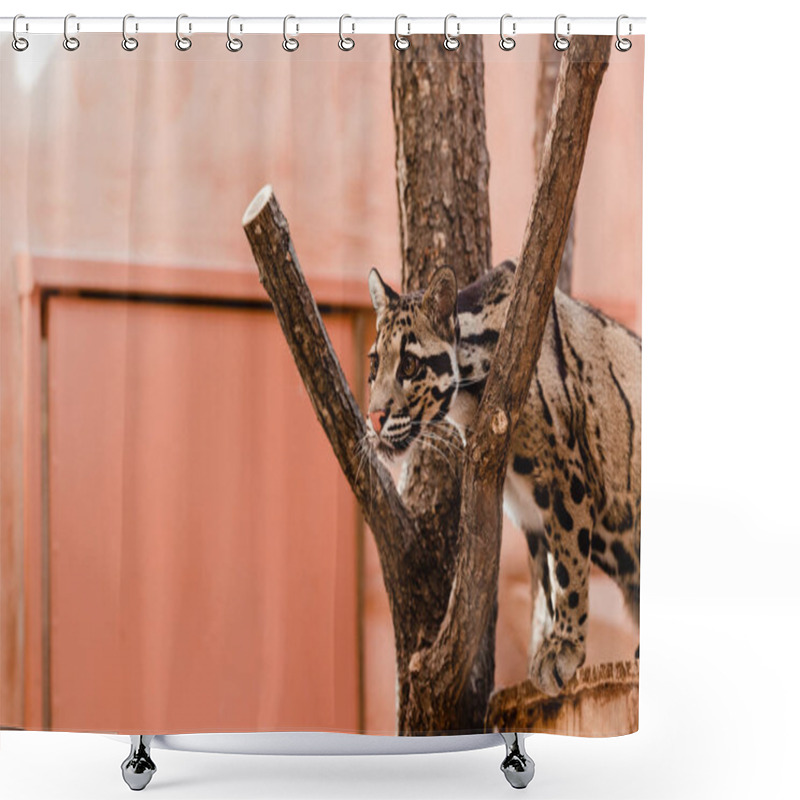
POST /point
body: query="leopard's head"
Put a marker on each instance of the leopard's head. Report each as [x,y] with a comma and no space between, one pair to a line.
[413,373]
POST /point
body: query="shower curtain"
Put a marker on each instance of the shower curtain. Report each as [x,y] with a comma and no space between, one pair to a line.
[244,296]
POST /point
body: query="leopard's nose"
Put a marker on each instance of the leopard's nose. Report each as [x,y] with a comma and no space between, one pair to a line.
[378,418]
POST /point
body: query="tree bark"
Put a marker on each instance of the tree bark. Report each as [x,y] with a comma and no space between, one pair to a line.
[442,159]
[545,92]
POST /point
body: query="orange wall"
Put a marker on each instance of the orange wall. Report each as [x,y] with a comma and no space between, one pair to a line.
[152,157]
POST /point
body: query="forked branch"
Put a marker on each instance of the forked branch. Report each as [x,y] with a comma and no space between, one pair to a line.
[336,409]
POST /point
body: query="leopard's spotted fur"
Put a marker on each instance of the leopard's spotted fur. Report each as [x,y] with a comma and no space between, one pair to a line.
[573,478]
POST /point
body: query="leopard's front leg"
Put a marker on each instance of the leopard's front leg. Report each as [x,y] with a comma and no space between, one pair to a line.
[568,524]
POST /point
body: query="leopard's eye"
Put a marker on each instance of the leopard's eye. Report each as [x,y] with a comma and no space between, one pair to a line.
[409,365]
[373,366]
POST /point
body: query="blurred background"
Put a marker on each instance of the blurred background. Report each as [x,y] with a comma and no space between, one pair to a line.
[179,550]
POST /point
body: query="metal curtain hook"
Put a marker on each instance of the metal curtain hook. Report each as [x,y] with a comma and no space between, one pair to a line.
[623,45]
[70,43]
[451,42]
[18,42]
[400,42]
[345,42]
[560,43]
[129,43]
[233,44]
[289,44]
[506,42]
[182,42]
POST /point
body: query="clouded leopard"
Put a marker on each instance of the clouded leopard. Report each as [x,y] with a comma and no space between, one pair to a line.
[573,477]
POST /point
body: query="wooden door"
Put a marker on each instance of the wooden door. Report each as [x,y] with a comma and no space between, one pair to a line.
[202,543]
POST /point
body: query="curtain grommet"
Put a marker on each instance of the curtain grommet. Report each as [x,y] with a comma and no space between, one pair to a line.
[19,43]
[401,42]
[346,43]
[290,44]
[623,45]
[233,44]
[183,43]
[129,43]
[560,42]
[71,43]
[507,42]
[451,43]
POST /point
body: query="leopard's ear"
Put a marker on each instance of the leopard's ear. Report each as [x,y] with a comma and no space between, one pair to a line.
[439,303]
[380,293]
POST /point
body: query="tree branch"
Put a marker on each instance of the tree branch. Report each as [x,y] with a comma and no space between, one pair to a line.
[442,670]
[336,409]
[545,92]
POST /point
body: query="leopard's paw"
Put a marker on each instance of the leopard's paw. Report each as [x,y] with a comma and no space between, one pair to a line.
[555,664]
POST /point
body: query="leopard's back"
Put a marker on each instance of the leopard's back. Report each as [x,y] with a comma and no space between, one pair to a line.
[573,480]
[582,425]
[588,382]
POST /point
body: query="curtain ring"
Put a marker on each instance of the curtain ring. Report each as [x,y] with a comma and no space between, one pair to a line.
[70,43]
[289,44]
[400,42]
[560,43]
[345,42]
[18,42]
[233,44]
[451,42]
[623,45]
[506,42]
[129,43]
[183,43]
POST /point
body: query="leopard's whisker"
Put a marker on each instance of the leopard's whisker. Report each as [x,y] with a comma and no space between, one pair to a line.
[471,382]
[453,450]
[430,429]
[443,439]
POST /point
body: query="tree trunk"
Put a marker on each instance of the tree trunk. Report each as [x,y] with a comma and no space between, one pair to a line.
[442,159]
[442,586]
[443,198]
